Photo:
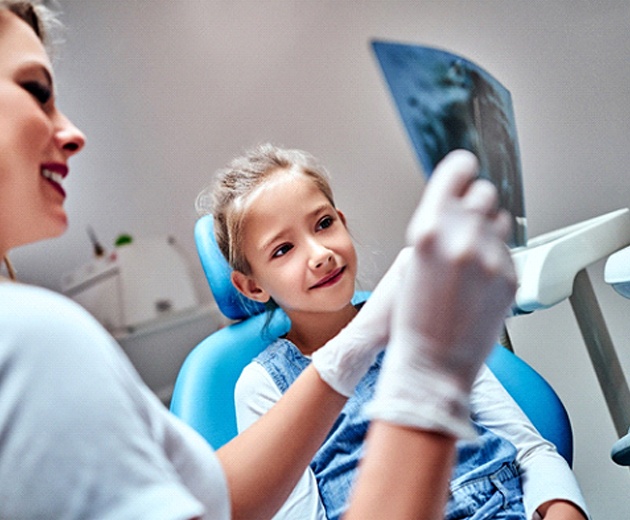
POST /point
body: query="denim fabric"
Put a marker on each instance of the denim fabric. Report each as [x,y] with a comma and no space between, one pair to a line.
[484,480]
[495,495]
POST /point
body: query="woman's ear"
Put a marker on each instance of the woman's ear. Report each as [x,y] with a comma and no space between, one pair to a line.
[341,216]
[248,287]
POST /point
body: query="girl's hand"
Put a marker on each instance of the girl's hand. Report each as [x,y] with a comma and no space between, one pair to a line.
[345,359]
[560,510]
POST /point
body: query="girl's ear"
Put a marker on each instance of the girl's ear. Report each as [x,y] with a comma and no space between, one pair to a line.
[248,287]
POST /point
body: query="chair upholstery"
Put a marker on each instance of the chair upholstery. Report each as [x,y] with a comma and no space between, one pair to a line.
[536,398]
[204,391]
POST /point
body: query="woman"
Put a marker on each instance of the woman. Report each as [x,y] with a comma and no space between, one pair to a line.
[82,437]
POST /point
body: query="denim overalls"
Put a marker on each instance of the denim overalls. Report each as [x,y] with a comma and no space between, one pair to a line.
[485,482]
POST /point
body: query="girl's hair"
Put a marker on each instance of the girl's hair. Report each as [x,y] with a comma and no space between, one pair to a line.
[226,199]
[41,20]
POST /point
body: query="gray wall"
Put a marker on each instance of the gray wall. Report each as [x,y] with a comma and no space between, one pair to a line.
[167,91]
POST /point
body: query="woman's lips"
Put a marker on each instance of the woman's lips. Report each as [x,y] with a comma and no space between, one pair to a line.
[330,279]
[54,174]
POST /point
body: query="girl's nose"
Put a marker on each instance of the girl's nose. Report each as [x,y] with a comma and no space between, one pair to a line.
[320,256]
[69,138]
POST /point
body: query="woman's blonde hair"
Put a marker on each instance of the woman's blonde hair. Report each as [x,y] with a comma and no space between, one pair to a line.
[39,17]
[226,199]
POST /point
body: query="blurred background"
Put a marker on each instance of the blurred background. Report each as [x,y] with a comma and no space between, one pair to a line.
[168,91]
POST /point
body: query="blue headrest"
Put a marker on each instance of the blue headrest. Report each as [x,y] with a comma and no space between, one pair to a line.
[218,272]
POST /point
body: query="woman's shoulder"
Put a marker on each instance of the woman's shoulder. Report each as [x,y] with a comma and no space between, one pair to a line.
[17,296]
[43,318]
[37,306]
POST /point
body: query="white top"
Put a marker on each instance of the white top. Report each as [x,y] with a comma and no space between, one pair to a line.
[81,436]
[545,475]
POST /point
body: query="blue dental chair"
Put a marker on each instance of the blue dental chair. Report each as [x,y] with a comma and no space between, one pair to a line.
[204,390]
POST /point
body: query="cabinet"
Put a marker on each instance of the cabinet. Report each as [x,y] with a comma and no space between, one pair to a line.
[157,349]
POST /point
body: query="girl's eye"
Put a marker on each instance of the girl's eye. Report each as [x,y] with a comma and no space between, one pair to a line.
[42,93]
[326,222]
[282,250]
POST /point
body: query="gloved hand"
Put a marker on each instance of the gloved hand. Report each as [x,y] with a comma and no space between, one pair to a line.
[346,358]
[457,290]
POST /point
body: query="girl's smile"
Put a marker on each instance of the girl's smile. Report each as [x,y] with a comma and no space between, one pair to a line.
[330,279]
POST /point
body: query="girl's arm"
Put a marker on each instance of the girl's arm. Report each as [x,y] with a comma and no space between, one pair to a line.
[560,510]
[263,464]
[405,468]
[545,475]
[254,395]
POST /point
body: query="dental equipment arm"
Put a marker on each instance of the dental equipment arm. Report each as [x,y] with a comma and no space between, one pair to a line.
[552,267]
[617,274]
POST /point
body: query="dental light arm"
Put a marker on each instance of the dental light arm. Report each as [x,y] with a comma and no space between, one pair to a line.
[548,265]
[553,267]
[617,274]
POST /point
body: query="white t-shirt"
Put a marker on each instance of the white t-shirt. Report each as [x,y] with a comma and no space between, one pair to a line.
[81,436]
[545,475]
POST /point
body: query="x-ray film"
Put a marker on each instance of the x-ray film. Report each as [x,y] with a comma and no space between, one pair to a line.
[447,102]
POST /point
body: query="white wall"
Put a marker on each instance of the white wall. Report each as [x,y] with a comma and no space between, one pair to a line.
[168,91]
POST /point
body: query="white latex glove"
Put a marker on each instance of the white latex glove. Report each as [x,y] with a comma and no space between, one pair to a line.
[457,290]
[346,358]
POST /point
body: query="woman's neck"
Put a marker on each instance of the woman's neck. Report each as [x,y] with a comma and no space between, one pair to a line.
[309,332]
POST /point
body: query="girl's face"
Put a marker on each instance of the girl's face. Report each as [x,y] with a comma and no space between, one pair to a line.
[298,248]
[36,140]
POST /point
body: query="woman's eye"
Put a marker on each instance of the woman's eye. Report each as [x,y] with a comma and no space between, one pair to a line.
[282,250]
[326,222]
[42,93]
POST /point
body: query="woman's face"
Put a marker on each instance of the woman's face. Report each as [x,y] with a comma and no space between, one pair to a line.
[36,140]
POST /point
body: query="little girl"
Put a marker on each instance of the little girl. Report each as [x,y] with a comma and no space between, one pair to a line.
[277,224]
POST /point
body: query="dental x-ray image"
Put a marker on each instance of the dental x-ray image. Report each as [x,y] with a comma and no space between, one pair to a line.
[447,102]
